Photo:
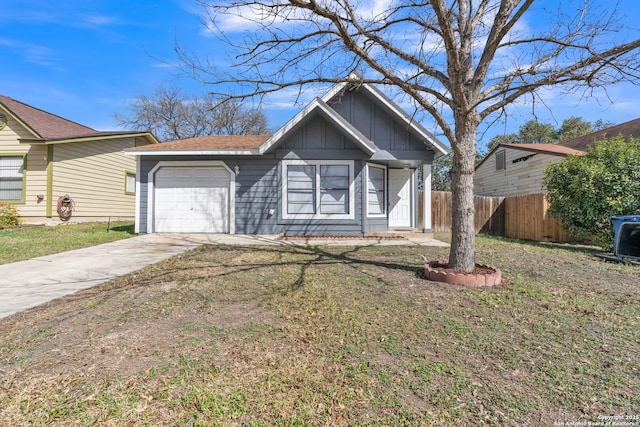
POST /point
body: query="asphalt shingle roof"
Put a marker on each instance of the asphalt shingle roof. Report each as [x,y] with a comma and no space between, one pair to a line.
[214,142]
[46,125]
[582,143]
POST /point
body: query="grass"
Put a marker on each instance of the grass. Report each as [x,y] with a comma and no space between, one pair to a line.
[291,336]
[17,244]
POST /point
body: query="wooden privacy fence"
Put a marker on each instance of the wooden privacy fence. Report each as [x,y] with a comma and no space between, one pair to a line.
[489,213]
[526,217]
[518,217]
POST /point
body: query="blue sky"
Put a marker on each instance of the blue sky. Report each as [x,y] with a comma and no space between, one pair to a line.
[85,59]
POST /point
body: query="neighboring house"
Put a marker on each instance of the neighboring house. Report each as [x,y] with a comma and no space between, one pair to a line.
[583,143]
[347,164]
[44,157]
[518,169]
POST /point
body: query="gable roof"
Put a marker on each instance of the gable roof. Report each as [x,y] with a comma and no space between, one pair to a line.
[50,128]
[392,108]
[552,149]
[318,106]
[41,123]
[257,144]
[583,143]
[261,144]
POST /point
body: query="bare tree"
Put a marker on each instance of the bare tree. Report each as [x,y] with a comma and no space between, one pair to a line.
[463,62]
[170,114]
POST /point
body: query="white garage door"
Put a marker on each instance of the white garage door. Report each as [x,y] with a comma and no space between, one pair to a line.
[191,200]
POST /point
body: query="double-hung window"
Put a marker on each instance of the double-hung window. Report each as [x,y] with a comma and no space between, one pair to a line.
[376,191]
[334,189]
[317,189]
[12,178]
[301,189]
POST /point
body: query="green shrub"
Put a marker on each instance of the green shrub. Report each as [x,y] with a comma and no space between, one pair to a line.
[585,191]
[9,216]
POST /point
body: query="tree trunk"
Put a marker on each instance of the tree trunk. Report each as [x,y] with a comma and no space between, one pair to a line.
[462,252]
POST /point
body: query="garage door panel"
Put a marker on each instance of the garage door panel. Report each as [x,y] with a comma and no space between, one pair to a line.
[192,199]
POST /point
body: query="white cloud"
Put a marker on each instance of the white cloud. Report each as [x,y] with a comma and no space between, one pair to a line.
[100,20]
[293,97]
[374,9]
[33,53]
[254,16]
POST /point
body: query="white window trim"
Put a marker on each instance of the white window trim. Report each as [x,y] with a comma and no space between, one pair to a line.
[128,173]
[384,214]
[24,177]
[186,163]
[317,163]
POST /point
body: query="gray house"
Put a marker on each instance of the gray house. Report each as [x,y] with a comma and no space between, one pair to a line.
[347,164]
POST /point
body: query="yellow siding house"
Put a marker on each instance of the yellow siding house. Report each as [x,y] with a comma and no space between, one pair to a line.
[50,165]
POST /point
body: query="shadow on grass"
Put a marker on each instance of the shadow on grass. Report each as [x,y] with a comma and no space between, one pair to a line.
[129,229]
[323,255]
[301,257]
[583,248]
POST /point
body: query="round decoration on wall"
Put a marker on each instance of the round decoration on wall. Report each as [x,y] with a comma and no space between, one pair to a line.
[3,121]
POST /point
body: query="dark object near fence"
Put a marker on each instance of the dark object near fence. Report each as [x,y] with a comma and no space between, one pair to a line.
[626,237]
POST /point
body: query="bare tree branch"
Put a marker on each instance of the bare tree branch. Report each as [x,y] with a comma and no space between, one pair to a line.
[462,62]
[170,115]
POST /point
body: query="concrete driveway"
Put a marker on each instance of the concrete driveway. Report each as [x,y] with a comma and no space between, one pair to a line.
[27,284]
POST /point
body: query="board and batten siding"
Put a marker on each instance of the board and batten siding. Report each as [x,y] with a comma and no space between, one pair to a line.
[92,173]
[375,122]
[522,177]
[317,139]
[257,190]
[35,173]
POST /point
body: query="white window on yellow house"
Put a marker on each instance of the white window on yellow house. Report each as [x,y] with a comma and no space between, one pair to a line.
[130,183]
[12,178]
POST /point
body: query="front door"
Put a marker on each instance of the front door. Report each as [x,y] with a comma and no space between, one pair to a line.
[400,206]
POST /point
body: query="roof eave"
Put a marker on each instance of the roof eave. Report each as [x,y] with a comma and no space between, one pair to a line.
[541,149]
[20,121]
[84,138]
[244,152]
[529,149]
